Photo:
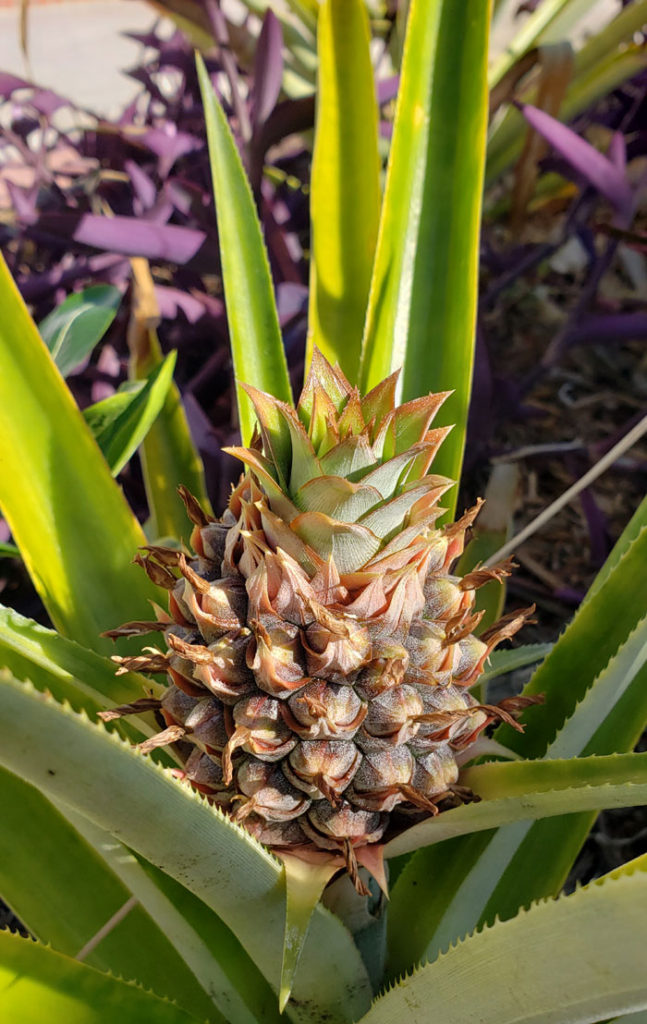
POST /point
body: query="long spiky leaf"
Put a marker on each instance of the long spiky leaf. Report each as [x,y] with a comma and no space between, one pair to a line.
[254,331]
[69,518]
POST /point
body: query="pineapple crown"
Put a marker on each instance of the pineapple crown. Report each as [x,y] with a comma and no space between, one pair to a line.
[349,474]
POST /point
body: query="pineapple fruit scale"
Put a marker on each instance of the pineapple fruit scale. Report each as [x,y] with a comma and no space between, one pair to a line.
[319,651]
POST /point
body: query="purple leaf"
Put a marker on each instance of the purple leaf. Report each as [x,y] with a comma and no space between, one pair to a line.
[130,236]
[287,118]
[47,102]
[291,301]
[268,69]
[595,168]
[169,142]
[596,522]
[143,185]
[386,129]
[609,327]
[148,39]
[9,84]
[22,200]
[172,302]
[387,89]
[66,274]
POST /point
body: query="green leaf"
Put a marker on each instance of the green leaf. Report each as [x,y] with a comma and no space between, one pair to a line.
[576,959]
[120,423]
[254,331]
[422,306]
[119,790]
[87,681]
[71,522]
[304,884]
[213,954]
[345,186]
[501,662]
[9,551]
[543,858]
[619,30]
[37,984]
[73,329]
[630,533]
[600,626]
[631,1018]
[524,791]
[62,890]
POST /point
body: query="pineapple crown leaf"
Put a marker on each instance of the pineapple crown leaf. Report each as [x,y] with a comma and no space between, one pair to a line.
[342,476]
[336,432]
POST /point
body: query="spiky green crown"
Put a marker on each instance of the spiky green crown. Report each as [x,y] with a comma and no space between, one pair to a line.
[349,474]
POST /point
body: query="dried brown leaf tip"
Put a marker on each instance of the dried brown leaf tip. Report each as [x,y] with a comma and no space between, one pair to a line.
[152,662]
[319,649]
[137,707]
[507,626]
[171,734]
[156,572]
[137,628]
[480,576]
[194,509]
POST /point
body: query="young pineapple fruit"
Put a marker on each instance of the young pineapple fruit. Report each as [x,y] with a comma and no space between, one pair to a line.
[319,650]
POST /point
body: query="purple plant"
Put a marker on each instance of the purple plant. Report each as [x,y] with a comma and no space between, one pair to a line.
[82,202]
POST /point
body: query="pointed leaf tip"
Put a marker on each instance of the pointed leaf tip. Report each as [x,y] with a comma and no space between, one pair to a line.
[256,342]
[304,883]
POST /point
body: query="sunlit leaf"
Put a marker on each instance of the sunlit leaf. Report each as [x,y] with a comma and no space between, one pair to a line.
[576,959]
[70,672]
[168,455]
[257,348]
[422,305]
[480,876]
[345,186]
[37,984]
[523,791]
[304,884]
[105,780]
[215,958]
[62,890]
[121,422]
[70,520]
[73,329]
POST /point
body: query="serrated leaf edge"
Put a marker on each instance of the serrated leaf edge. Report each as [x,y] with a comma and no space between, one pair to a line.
[28,940]
[618,875]
[6,677]
[594,683]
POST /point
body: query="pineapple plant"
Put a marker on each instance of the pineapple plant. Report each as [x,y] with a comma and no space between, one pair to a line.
[319,651]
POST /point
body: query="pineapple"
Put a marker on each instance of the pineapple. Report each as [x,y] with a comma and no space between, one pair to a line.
[319,651]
